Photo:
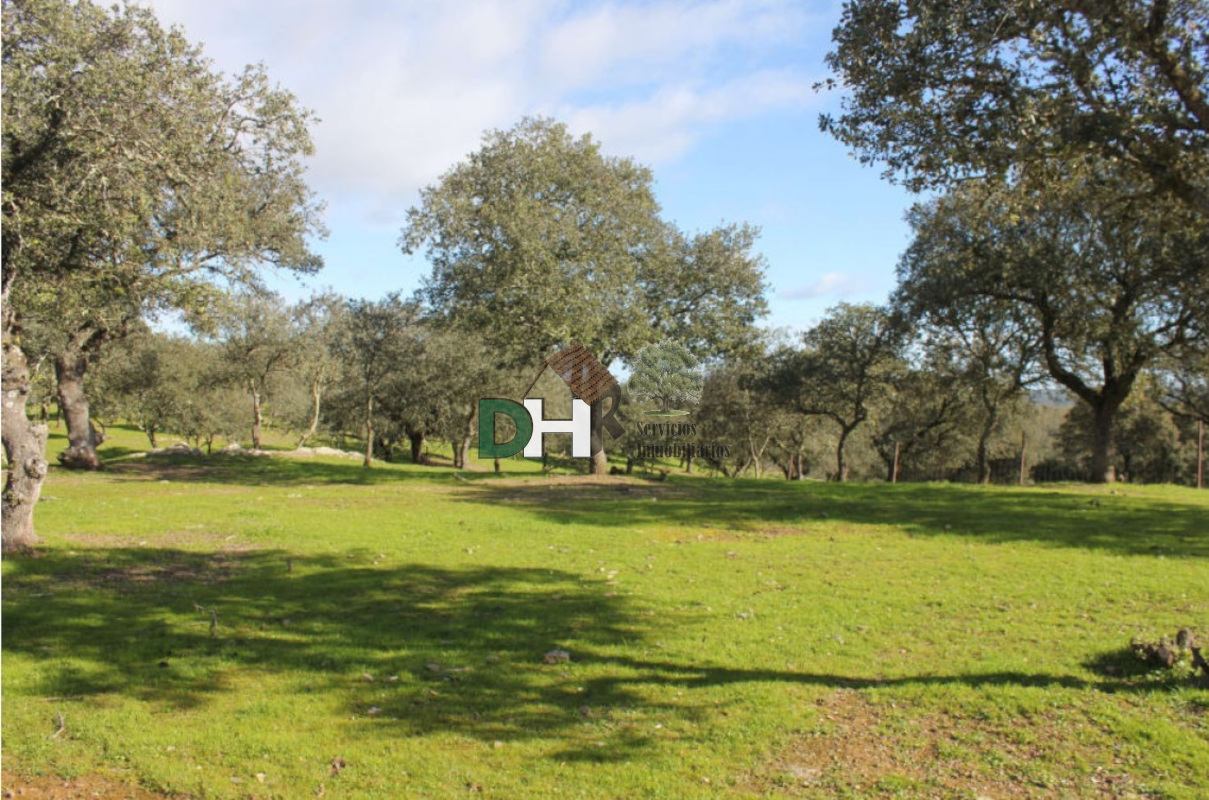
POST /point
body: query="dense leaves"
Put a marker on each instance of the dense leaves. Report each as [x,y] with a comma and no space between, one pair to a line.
[944,91]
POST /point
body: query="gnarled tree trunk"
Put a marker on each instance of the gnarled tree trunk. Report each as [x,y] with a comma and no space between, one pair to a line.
[316,396]
[25,449]
[600,461]
[841,463]
[70,368]
[416,439]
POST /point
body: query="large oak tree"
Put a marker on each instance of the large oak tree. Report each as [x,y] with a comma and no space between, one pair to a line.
[538,240]
[1104,285]
[133,173]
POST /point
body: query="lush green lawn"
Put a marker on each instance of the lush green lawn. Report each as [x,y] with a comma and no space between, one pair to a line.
[280,628]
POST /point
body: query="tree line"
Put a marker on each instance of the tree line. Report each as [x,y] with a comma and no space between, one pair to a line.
[1063,245]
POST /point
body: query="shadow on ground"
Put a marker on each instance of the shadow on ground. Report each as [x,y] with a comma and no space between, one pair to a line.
[280,470]
[456,650]
[1100,521]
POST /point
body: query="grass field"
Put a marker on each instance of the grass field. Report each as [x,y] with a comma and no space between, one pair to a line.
[253,627]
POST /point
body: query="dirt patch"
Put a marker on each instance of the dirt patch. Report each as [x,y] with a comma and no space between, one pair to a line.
[85,787]
[861,749]
[187,540]
[737,533]
[577,490]
[158,469]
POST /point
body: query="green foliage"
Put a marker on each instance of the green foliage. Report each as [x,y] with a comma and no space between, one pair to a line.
[944,91]
[134,171]
[538,239]
[1104,283]
[666,373]
[1149,446]
[847,364]
[169,385]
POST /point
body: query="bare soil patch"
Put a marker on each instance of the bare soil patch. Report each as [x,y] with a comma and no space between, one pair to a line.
[85,787]
[863,749]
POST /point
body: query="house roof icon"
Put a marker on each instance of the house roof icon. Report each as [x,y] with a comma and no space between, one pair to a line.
[587,378]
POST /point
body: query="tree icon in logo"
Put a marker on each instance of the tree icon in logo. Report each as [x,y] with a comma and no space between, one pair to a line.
[669,374]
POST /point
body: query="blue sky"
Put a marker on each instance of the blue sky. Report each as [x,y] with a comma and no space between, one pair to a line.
[714,95]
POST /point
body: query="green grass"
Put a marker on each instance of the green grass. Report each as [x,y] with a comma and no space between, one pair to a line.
[211,627]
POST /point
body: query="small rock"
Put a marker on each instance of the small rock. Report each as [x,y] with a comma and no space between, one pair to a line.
[556,656]
[365,676]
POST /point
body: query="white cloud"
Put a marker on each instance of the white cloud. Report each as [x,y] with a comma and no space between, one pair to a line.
[662,126]
[641,43]
[833,284]
[405,90]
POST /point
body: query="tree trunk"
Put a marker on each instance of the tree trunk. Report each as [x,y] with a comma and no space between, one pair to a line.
[841,465]
[417,447]
[316,393]
[1102,468]
[983,457]
[81,452]
[600,461]
[369,431]
[257,417]
[25,449]
[464,452]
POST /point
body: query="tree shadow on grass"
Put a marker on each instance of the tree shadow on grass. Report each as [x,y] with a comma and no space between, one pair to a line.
[1115,524]
[430,648]
[410,648]
[280,470]
[247,470]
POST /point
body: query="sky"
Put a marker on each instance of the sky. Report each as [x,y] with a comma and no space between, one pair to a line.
[715,96]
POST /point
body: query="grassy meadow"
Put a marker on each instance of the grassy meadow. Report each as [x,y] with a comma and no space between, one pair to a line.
[234,627]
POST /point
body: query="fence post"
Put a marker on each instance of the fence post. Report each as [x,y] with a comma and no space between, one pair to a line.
[894,472]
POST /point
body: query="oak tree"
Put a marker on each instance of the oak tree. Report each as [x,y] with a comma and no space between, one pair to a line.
[942,91]
[132,167]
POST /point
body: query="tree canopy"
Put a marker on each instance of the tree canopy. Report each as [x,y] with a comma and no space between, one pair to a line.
[1103,285]
[944,91]
[539,239]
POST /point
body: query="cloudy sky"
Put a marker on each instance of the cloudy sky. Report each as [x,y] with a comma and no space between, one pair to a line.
[714,95]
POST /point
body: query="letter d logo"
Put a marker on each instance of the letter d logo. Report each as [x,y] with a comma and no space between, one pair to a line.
[488,408]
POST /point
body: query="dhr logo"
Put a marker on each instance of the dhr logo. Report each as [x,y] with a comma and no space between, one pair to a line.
[592,385]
